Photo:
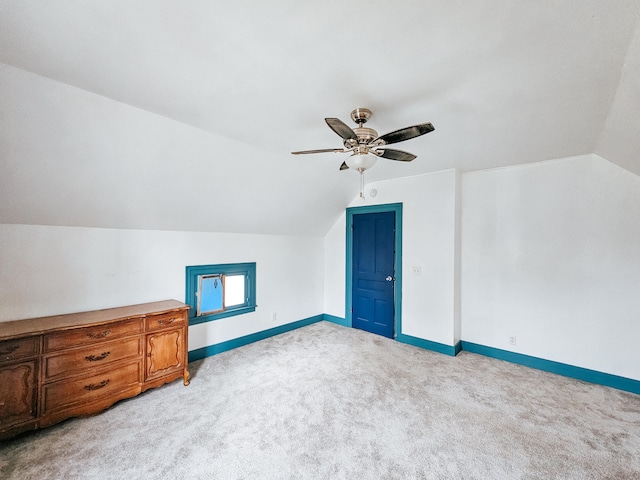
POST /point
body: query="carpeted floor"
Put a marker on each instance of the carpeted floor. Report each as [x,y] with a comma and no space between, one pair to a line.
[329,402]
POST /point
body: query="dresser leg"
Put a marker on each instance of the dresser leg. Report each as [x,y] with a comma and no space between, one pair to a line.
[186,380]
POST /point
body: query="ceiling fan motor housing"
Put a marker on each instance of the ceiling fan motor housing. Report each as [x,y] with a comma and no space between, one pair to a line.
[365,135]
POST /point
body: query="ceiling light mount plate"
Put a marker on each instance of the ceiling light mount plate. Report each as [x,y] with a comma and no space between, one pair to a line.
[361,115]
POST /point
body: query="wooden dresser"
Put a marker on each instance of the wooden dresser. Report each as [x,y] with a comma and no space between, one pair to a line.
[53,368]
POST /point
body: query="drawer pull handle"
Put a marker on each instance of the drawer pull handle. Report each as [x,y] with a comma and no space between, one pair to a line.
[102,334]
[167,322]
[96,386]
[9,350]
[94,358]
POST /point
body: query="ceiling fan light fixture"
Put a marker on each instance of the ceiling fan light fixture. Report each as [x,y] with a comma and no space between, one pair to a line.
[361,161]
[364,143]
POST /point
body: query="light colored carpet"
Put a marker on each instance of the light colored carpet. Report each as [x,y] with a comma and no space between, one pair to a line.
[330,402]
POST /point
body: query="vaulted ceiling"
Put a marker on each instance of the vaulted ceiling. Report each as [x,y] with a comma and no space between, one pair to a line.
[180,115]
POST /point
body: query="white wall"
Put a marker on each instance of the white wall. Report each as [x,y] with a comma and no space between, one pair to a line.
[428,241]
[335,268]
[52,270]
[551,255]
[547,252]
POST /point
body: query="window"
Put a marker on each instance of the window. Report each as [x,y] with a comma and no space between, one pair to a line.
[220,291]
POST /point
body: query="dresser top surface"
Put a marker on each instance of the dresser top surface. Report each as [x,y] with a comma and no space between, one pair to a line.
[36,326]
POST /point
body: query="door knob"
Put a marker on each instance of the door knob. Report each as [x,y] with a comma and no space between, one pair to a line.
[389,278]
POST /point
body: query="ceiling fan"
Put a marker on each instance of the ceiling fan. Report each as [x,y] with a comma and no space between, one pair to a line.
[366,145]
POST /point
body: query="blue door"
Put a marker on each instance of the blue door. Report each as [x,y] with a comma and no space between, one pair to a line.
[373,272]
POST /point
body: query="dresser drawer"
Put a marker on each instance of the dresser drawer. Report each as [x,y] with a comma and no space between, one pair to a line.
[18,402]
[172,319]
[58,365]
[14,349]
[87,335]
[66,393]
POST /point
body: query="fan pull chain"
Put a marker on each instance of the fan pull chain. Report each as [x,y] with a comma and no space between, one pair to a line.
[361,170]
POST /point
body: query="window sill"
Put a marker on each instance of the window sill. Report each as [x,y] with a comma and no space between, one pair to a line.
[221,315]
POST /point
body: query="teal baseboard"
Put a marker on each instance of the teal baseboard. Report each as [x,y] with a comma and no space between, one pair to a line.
[429,345]
[336,320]
[592,376]
[210,350]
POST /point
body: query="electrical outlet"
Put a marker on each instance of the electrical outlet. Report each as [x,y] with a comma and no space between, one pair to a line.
[417,270]
[512,340]
[274,317]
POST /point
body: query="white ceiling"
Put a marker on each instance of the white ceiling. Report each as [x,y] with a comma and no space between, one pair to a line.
[180,115]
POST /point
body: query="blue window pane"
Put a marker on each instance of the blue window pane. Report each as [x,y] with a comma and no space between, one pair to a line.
[211,294]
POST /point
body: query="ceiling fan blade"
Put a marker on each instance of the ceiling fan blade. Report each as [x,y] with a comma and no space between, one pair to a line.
[341,128]
[344,166]
[322,150]
[405,133]
[399,155]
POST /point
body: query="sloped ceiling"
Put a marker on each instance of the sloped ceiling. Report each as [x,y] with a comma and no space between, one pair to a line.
[180,115]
